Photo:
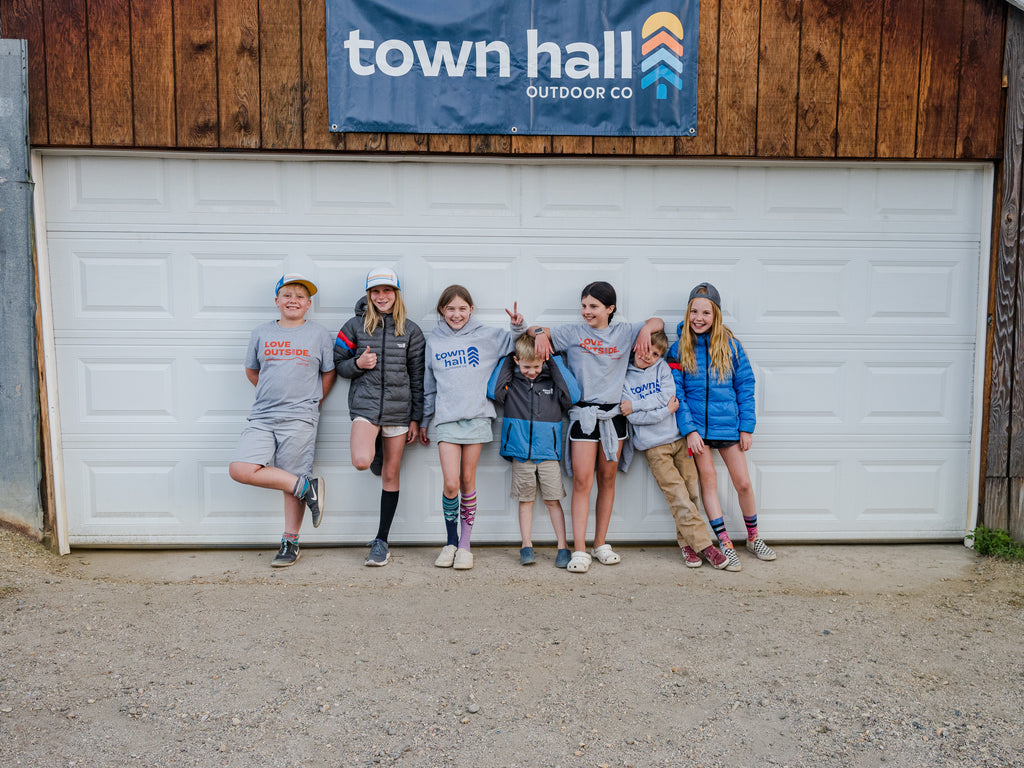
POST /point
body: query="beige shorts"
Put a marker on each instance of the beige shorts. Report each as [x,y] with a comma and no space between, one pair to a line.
[386,431]
[526,475]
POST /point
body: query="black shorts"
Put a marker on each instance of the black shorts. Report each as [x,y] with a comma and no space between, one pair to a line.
[720,444]
[576,432]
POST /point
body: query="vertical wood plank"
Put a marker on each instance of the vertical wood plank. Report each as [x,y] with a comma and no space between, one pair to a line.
[1015,512]
[280,70]
[365,142]
[997,503]
[777,78]
[152,26]
[490,144]
[613,145]
[531,145]
[707,86]
[407,142]
[316,131]
[940,78]
[238,73]
[195,70]
[110,89]
[980,95]
[572,145]
[449,142]
[819,79]
[1004,305]
[23,20]
[654,146]
[857,113]
[898,78]
[67,72]
[737,77]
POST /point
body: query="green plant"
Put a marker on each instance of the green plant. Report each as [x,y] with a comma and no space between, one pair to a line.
[996,543]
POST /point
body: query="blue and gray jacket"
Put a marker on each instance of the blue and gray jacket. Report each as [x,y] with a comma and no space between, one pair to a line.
[531,429]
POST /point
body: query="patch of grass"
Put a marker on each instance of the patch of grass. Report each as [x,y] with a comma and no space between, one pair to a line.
[996,543]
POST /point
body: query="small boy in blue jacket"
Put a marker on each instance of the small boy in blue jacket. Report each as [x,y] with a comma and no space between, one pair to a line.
[535,394]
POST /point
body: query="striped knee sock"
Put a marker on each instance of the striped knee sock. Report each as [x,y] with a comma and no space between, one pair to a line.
[450,508]
[468,515]
[751,523]
[718,526]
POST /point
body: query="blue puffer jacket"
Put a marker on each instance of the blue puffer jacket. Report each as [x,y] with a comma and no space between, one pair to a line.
[715,410]
[531,429]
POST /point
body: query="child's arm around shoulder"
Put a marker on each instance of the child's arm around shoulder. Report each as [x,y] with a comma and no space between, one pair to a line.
[501,379]
[568,389]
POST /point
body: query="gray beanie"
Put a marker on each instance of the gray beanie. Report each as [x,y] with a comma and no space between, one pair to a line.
[709,292]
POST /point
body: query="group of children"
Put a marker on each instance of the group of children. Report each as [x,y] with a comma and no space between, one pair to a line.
[613,379]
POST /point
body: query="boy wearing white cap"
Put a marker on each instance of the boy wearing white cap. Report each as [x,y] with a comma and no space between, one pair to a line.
[290,361]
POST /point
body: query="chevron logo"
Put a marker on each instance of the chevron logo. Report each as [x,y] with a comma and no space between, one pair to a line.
[473,356]
[662,52]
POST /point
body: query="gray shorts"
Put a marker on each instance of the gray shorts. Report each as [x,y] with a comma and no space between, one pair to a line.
[527,475]
[464,432]
[287,444]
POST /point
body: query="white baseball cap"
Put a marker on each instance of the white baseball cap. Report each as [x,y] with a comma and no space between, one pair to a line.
[295,277]
[382,276]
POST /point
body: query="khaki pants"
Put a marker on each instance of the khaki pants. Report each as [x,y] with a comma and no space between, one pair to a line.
[676,475]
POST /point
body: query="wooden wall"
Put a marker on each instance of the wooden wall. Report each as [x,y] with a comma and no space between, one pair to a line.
[1004,454]
[778,79]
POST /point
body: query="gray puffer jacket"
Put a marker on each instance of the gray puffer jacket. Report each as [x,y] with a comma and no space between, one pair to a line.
[391,394]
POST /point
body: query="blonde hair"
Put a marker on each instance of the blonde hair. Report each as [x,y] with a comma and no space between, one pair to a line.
[720,344]
[659,341]
[372,317]
[525,351]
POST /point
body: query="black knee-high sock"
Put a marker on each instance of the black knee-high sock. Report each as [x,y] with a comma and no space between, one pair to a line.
[388,505]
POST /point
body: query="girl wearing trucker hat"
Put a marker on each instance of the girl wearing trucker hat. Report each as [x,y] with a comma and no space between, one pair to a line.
[380,351]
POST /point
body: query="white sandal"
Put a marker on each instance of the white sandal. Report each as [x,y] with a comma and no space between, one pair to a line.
[605,556]
[579,563]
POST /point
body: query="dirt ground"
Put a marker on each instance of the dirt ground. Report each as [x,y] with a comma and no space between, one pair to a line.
[904,655]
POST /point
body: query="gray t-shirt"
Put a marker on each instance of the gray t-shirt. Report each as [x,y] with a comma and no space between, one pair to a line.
[597,358]
[290,361]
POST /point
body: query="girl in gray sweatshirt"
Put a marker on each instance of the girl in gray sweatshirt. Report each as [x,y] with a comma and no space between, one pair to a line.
[461,352]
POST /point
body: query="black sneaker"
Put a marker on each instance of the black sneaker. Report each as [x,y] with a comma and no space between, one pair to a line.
[286,555]
[314,499]
[377,465]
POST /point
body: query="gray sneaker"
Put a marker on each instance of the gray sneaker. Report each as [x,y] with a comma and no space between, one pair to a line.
[379,554]
[286,555]
[314,499]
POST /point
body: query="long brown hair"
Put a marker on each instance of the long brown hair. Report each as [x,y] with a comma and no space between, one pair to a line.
[720,343]
[372,317]
[449,294]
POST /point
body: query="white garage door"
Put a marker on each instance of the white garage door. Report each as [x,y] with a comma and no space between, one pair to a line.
[855,289]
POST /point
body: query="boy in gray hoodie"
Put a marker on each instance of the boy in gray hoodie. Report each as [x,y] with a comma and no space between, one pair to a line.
[649,403]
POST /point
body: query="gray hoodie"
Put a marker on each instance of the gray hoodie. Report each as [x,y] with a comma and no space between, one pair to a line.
[649,390]
[458,366]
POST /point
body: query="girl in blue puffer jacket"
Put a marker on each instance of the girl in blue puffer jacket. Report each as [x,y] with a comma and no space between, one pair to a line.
[715,387]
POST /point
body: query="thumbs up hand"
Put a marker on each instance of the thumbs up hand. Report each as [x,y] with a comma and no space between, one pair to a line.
[368,360]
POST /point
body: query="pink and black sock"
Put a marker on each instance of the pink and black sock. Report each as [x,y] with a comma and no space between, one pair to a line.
[718,526]
[751,523]
[468,517]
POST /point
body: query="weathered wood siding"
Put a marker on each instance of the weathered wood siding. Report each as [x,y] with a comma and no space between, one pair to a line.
[780,79]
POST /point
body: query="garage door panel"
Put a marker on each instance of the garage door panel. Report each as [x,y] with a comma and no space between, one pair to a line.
[854,289]
[862,392]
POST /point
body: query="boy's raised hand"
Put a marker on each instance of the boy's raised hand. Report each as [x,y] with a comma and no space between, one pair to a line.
[514,317]
[368,360]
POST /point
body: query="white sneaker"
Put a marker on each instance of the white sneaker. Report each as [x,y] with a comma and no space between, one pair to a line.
[463,560]
[447,557]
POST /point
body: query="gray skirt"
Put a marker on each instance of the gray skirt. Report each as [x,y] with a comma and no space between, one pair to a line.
[464,432]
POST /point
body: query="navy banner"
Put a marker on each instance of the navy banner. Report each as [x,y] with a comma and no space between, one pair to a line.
[571,67]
